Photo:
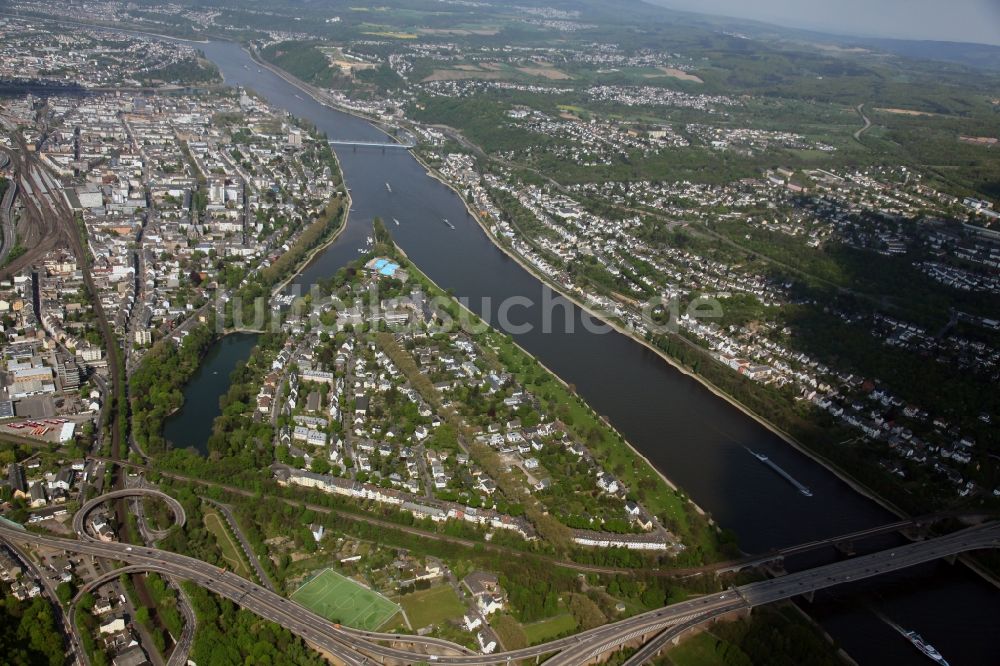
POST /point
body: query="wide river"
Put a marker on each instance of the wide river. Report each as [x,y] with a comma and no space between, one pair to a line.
[695,438]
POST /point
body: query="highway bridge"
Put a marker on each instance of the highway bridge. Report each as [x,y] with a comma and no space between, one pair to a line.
[668,635]
[356,647]
[183,642]
[80,517]
[758,559]
[227,514]
[371,144]
[917,523]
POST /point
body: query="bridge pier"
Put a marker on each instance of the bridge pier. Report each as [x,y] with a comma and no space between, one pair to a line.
[776,568]
[845,548]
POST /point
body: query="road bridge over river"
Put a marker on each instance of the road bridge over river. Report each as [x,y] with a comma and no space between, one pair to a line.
[371,144]
[358,647]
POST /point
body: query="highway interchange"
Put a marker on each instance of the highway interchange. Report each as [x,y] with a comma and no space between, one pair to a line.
[358,647]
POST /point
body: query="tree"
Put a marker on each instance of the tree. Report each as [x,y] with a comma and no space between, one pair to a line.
[320,465]
[586,612]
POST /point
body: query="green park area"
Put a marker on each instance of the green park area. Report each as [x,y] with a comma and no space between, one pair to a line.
[549,628]
[227,544]
[432,606]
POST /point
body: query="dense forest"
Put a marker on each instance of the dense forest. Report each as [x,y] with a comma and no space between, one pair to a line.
[29,635]
[303,60]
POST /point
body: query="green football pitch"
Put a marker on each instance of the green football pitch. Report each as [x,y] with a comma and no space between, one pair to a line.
[344,601]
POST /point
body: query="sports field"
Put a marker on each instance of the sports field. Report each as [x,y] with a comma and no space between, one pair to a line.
[341,600]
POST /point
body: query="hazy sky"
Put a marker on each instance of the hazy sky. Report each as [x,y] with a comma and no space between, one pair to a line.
[945,20]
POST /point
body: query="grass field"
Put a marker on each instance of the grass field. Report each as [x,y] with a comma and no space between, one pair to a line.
[432,606]
[543,630]
[706,650]
[342,600]
[231,552]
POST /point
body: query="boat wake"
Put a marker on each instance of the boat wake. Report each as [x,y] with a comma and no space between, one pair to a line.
[782,473]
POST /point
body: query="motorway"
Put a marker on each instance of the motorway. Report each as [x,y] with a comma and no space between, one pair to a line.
[918,522]
[650,649]
[370,144]
[224,583]
[348,645]
[681,572]
[76,643]
[227,513]
[182,646]
[80,517]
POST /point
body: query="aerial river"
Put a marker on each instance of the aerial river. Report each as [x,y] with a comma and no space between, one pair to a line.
[692,436]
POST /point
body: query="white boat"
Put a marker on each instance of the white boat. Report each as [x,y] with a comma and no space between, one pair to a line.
[396,221]
[449,223]
[782,473]
[918,642]
[388,188]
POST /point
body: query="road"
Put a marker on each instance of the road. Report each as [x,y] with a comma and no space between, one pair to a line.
[720,567]
[69,629]
[182,646]
[54,224]
[80,517]
[683,572]
[349,645]
[104,579]
[851,537]
[860,108]
[653,647]
[370,144]
[227,513]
